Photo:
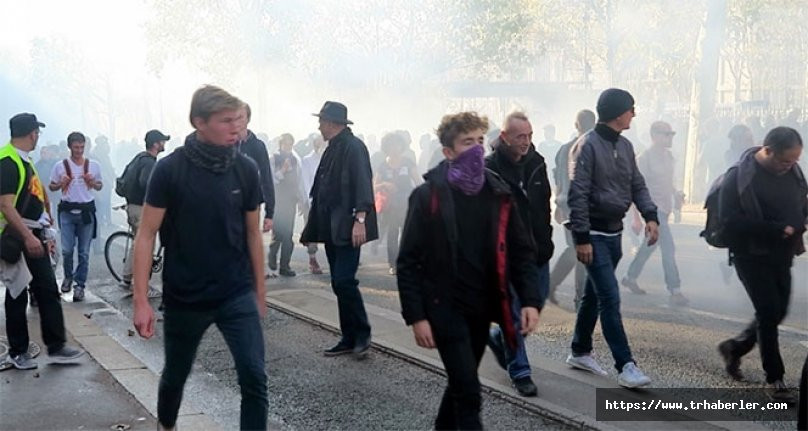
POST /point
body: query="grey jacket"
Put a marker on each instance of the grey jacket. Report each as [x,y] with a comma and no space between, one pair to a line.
[605,181]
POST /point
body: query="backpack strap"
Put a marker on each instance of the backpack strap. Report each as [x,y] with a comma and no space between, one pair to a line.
[68,172]
[86,166]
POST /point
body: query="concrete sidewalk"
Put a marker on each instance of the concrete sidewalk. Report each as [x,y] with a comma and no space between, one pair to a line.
[565,394]
[108,388]
[82,396]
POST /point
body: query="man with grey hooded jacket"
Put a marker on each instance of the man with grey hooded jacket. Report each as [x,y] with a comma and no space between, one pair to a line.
[605,181]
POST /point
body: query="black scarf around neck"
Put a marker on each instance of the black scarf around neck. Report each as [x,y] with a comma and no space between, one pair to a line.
[607,132]
[215,158]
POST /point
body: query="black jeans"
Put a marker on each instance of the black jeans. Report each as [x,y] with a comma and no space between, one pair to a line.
[343,260]
[239,322]
[52,322]
[282,229]
[461,342]
[768,284]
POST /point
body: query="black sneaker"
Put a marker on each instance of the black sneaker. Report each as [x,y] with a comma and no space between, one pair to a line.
[66,355]
[339,349]
[23,361]
[287,272]
[360,350]
[66,284]
[78,294]
[525,387]
[778,391]
[732,363]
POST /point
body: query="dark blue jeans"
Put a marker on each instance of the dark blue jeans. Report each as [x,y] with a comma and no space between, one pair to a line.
[239,323]
[602,296]
[75,233]
[353,320]
[518,364]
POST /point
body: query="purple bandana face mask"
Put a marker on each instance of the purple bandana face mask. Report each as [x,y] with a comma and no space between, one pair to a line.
[467,171]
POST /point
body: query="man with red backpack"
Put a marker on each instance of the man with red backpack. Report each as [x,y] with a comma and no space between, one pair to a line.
[76,177]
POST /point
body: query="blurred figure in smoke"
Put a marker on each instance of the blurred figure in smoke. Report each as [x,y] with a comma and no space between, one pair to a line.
[428,147]
[103,197]
[394,180]
[753,122]
[524,170]
[255,148]
[407,139]
[309,166]
[550,146]
[343,216]
[605,182]
[288,194]
[763,207]
[740,139]
[48,156]
[584,122]
[656,164]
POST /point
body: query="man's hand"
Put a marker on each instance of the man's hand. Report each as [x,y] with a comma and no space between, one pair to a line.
[788,231]
[584,252]
[33,246]
[530,319]
[267,225]
[423,334]
[64,182]
[261,303]
[359,234]
[559,215]
[144,319]
[652,232]
[287,166]
[88,179]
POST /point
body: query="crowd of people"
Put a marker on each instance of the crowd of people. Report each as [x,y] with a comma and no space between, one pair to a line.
[468,226]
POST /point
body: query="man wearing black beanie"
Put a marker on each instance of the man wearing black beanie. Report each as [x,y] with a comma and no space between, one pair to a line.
[605,182]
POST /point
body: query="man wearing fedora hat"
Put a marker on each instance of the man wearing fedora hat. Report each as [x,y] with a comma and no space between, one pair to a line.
[343,216]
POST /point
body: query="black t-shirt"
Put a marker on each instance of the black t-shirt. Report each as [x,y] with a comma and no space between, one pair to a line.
[32,187]
[204,233]
[475,289]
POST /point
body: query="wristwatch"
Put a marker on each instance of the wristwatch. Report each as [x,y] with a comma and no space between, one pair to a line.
[360,219]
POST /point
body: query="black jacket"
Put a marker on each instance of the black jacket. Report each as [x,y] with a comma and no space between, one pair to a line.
[255,149]
[740,212]
[531,190]
[428,254]
[343,186]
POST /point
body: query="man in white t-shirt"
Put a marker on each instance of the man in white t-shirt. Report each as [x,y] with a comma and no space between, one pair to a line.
[75,177]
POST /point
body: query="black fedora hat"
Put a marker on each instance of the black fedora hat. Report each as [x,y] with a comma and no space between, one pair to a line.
[334,112]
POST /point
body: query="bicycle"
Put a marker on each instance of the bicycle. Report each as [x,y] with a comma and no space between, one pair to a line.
[123,240]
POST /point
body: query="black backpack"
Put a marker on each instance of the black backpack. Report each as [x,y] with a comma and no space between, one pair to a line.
[125,184]
[714,231]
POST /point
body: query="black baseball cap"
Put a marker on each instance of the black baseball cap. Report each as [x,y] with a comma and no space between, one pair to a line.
[155,135]
[23,124]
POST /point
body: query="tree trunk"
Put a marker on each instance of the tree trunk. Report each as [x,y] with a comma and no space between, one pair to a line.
[702,95]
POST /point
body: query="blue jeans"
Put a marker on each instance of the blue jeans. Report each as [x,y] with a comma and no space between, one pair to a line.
[602,296]
[239,322]
[353,320]
[668,256]
[75,232]
[518,364]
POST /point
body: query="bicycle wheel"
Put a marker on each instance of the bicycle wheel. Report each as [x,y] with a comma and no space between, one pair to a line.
[116,252]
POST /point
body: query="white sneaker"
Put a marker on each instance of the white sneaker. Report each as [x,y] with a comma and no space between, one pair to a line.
[632,377]
[586,363]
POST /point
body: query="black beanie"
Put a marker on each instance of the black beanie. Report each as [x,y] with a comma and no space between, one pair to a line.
[613,103]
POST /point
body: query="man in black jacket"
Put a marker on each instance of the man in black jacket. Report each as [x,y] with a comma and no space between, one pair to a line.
[518,163]
[255,149]
[763,208]
[463,244]
[343,216]
[605,182]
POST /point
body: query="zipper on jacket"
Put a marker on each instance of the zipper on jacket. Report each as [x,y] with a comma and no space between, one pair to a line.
[614,149]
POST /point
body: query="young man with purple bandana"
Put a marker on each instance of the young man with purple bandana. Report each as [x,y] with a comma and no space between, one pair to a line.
[463,244]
